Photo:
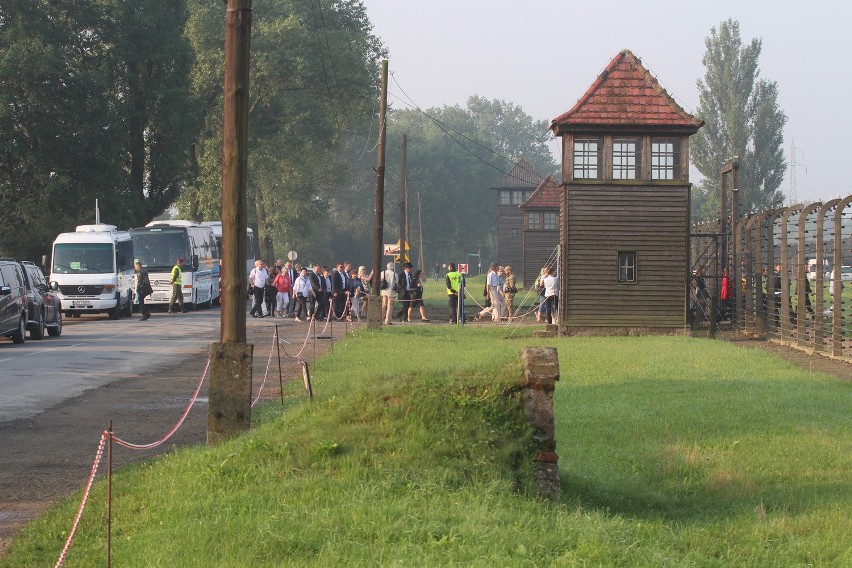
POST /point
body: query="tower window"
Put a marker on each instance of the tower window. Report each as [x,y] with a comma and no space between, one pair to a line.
[627,266]
[587,158]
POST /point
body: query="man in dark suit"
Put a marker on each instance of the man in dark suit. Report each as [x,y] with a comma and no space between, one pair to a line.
[339,289]
[406,291]
[293,274]
[318,284]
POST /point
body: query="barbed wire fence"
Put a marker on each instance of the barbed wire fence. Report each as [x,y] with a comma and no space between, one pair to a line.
[783,273]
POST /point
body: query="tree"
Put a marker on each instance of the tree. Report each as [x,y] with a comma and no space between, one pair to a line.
[742,118]
[151,66]
[313,77]
[94,104]
[454,154]
[57,138]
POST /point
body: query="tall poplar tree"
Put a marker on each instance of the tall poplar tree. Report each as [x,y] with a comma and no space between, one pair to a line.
[742,118]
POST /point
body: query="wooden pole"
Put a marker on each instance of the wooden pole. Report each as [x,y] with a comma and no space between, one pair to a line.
[420,225]
[403,205]
[374,308]
[109,496]
[229,410]
[235,171]
[280,377]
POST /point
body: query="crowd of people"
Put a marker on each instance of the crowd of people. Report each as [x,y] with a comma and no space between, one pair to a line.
[501,288]
[288,290]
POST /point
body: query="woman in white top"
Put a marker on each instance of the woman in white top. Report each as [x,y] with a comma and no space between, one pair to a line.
[551,291]
[388,285]
[302,290]
[496,294]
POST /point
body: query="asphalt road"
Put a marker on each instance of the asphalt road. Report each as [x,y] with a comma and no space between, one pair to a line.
[94,351]
[58,394]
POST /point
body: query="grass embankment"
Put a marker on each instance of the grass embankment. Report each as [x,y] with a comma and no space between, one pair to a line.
[674,452]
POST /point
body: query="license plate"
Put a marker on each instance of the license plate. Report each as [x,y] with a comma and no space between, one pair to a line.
[80,303]
[160,296]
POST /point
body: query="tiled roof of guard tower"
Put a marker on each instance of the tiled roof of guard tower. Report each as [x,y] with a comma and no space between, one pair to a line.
[546,196]
[626,94]
[523,175]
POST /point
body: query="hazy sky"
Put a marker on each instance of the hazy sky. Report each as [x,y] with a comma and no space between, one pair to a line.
[542,55]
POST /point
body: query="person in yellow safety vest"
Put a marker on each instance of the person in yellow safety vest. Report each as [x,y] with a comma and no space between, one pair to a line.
[177,287]
[453,286]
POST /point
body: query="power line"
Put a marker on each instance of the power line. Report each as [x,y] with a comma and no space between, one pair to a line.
[443,126]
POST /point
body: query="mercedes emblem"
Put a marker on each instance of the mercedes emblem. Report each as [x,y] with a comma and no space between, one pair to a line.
[81,289]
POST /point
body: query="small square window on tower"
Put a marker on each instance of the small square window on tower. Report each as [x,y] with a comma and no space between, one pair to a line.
[665,158]
[625,158]
[627,266]
[533,221]
[587,158]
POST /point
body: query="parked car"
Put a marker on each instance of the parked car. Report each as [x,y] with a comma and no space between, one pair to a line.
[13,301]
[44,307]
[846,273]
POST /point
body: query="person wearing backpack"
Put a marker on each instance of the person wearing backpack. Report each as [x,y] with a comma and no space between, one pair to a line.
[389,285]
[143,289]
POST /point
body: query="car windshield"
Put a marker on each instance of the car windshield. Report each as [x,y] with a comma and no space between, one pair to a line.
[83,258]
[158,249]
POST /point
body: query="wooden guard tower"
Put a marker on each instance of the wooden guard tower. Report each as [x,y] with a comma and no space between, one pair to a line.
[541,230]
[624,215]
[513,189]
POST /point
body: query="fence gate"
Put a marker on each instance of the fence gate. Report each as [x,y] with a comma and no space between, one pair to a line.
[707,312]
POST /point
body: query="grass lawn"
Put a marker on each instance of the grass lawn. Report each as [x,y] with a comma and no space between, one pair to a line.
[673,452]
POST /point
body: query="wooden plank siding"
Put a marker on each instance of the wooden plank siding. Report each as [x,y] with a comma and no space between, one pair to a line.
[598,222]
[510,249]
[539,247]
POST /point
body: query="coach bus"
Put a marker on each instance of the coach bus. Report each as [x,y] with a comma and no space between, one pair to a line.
[217,230]
[159,244]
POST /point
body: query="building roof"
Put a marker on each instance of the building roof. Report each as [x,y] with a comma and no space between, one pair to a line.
[523,175]
[625,94]
[546,196]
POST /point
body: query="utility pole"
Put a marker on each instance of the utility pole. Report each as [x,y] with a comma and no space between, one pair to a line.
[374,307]
[231,359]
[420,225]
[403,204]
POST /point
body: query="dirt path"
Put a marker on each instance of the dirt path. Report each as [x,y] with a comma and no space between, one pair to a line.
[49,456]
[816,363]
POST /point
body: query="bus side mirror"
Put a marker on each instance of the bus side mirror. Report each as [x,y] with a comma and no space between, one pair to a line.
[195,261]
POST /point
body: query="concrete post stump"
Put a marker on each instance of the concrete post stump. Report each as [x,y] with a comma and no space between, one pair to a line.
[540,373]
[229,412]
[375,317]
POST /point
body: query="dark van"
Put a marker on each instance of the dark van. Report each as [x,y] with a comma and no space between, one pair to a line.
[13,301]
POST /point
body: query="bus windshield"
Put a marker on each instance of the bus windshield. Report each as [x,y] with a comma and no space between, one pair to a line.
[158,249]
[83,258]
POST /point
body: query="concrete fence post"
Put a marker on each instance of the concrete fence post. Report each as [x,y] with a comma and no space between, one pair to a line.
[540,373]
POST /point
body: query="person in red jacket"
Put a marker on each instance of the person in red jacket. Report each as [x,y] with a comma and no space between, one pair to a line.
[284,287]
[725,292]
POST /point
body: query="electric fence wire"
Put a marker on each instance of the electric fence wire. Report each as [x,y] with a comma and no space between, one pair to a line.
[335,93]
[446,128]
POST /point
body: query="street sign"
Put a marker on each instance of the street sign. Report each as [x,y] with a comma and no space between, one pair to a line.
[391,249]
[292,255]
[463,268]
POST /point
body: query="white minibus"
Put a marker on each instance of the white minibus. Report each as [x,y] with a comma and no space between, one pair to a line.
[93,270]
